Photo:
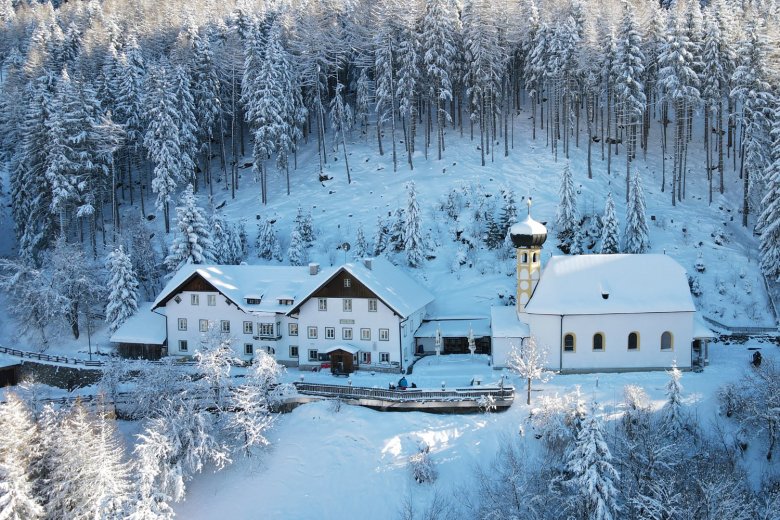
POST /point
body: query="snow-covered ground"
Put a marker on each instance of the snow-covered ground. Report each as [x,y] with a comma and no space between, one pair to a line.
[351,462]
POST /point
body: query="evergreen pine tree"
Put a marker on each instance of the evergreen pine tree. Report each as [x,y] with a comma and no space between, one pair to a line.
[577,242]
[19,450]
[610,240]
[361,249]
[381,236]
[192,243]
[508,210]
[566,217]
[297,250]
[592,477]
[267,242]
[162,138]
[673,420]
[187,123]
[635,236]
[412,230]
[769,221]
[122,287]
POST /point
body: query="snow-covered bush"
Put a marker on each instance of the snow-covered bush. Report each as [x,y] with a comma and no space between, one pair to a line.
[637,408]
[486,403]
[693,283]
[556,420]
[422,466]
[699,265]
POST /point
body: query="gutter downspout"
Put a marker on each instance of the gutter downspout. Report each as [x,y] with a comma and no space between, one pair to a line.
[167,347]
[560,347]
[401,346]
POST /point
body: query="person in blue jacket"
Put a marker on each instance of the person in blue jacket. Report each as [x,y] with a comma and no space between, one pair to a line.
[402,383]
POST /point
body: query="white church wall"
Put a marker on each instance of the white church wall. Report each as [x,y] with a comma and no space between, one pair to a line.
[616,328]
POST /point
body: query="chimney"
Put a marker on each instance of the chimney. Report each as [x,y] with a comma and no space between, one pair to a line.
[314,268]
[369,263]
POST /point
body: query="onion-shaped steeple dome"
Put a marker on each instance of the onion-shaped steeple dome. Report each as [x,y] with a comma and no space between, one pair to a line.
[528,232]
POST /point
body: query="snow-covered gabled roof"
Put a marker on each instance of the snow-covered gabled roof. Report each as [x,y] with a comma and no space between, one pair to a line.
[144,327]
[267,283]
[505,324]
[611,284]
[396,289]
[346,347]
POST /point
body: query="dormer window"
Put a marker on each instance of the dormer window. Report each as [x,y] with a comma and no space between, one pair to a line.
[285,301]
[254,300]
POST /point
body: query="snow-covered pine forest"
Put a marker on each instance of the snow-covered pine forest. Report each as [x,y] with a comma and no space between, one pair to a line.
[140,136]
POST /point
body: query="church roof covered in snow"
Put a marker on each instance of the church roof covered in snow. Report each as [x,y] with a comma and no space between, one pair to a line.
[399,291]
[611,284]
[144,327]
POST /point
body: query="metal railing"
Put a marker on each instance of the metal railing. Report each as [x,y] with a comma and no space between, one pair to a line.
[734,329]
[411,394]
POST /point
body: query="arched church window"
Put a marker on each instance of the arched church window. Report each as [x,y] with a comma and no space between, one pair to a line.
[667,341]
[598,341]
[633,341]
[569,342]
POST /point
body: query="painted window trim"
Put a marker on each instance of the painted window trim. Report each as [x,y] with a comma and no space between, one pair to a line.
[387,335]
[347,331]
[249,327]
[194,299]
[574,342]
[603,342]
[366,336]
[292,329]
[638,341]
[671,341]
[211,300]
[249,349]
[372,302]
[346,305]
[322,304]
[311,332]
[330,332]
[201,326]
[290,350]
[181,323]
[183,343]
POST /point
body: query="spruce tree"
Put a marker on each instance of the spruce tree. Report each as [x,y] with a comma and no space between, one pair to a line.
[267,242]
[610,239]
[508,210]
[673,419]
[769,221]
[381,236]
[635,237]
[361,249]
[412,229]
[122,287]
[19,451]
[566,217]
[162,138]
[577,242]
[592,477]
[297,250]
[192,242]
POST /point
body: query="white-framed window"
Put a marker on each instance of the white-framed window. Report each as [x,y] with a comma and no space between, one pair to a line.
[365,334]
[313,354]
[322,304]
[248,328]
[203,325]
[346,332]
[403,330]
[194,299]
[249,349]
[384,334]
[384,357]
[347,282]
[372,306]
[365,357]
[182,323]
[265,329]
[312,331]
[211,300]
[330,332]
[182,345]
[293,351]
[292,329]
[224,326]
[347,304]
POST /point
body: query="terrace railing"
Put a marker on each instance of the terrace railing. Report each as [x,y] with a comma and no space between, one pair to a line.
[505,393]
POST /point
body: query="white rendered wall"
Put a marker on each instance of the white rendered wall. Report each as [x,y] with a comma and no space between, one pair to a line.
[382,318]
[215,314]
[616,328]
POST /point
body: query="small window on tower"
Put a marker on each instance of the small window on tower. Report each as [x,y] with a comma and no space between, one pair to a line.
[524,258]
[535,258]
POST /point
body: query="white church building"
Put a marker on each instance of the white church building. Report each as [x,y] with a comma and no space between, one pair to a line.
[594,313]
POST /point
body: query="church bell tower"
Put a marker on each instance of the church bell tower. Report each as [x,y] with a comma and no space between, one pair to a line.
[527,236]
